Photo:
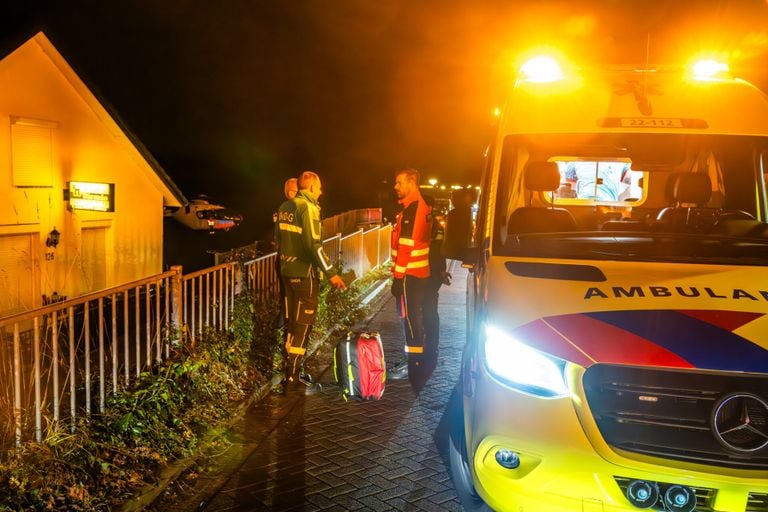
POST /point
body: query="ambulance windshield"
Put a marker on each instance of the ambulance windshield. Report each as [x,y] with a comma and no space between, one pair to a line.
[618,194]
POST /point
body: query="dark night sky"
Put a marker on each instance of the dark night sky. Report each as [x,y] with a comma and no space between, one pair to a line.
[234,96]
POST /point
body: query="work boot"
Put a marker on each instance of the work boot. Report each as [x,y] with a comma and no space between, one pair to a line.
[310,387]
[298,387]
[399,371]
[305,377]
[294,385]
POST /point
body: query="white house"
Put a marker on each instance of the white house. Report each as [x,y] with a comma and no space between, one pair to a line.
[69,167]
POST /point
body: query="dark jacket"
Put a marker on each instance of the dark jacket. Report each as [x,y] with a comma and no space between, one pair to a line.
[299,238]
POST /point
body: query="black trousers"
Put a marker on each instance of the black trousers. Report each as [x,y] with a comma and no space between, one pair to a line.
[282,319]
[301,309]
[410,307]
[431,316]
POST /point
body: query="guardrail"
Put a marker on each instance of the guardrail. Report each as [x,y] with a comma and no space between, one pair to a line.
[59,362]
[98,340]
[208,299]
[353,220]
[360,252]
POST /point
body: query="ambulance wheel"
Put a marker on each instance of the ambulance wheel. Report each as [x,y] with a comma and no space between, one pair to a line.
[460,473]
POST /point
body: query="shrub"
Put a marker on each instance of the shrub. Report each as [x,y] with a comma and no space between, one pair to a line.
[163,415]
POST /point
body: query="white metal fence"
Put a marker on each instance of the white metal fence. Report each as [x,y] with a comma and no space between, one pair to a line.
[59,362]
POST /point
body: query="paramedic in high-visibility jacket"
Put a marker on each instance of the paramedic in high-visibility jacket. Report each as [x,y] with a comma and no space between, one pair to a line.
[302,260]
[410,255]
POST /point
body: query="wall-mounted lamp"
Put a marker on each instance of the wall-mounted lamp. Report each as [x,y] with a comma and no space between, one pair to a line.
[53,238]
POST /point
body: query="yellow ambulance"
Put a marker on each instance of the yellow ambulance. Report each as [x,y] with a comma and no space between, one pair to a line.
[617,351]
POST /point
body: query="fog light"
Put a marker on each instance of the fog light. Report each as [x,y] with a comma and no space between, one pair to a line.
[507,459]
[680,498]
[642,494]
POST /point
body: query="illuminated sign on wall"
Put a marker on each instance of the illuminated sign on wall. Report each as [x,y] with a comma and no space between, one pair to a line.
[99,197]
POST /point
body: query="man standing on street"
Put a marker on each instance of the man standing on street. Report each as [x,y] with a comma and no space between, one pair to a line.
[290,189]
[438,276]
[410,254]
[302,259]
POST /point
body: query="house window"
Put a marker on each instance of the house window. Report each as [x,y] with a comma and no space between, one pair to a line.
[32,152]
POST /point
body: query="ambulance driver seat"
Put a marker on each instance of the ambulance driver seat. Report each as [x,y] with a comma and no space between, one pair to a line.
[540,177]
[690,193]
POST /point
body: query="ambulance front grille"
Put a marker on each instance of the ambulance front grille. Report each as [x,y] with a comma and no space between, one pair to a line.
[757,502]
[666,412]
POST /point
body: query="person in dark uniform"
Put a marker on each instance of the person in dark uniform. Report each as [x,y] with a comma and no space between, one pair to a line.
[438,276]
[290,189]
[302,259]
[459,226]
[411,239]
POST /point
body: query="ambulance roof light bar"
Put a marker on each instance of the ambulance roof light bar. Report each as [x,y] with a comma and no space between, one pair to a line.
[544,69]
[707,69]
[541,69]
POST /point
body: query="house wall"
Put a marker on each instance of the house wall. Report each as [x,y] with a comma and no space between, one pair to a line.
[127,242]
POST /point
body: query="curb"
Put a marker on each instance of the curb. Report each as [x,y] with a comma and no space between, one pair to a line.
[169,474]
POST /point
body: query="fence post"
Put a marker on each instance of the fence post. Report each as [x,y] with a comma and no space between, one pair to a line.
[175,304]
[361,254]
[238,279]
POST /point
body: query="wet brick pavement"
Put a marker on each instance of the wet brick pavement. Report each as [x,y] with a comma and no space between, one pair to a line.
[322,453]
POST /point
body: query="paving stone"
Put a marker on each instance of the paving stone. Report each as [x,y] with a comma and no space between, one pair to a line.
[392,493]
[373,503]
[339,490]
[400,503]
[428,506]
[321,500]
[367,490]
[441,497]
[322,453]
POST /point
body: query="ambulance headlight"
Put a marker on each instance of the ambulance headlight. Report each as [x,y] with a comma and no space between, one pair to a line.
[521,367]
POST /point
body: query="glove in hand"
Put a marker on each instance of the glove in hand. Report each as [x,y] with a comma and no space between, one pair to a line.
[397,287]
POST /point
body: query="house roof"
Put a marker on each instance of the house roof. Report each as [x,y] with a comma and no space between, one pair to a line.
[172,194]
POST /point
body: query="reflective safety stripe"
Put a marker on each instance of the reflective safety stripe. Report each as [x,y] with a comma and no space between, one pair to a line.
[420,252]
[406,241]
[297,350]
[399,268]
[414,350]
[418,264]
[314,217]
[290,227]
[393,252]
[349,372]
[323,259]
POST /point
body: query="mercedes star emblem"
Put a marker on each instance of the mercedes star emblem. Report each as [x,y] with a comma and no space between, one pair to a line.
[740,422]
